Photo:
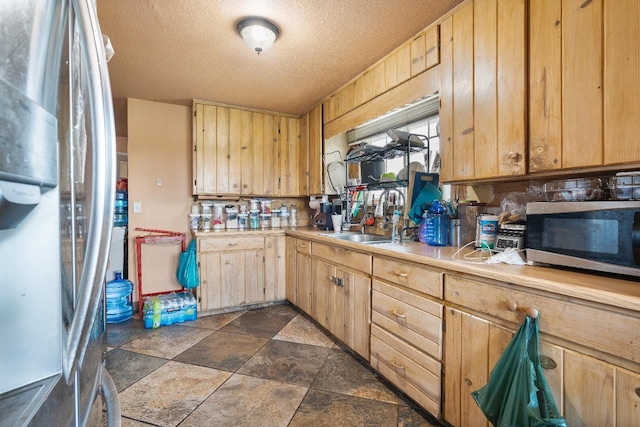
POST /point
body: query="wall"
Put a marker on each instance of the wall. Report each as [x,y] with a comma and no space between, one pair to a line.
[159,155]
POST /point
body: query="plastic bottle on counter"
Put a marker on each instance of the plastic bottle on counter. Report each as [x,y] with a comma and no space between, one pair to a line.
[437,225]
[293,215]
[422,231]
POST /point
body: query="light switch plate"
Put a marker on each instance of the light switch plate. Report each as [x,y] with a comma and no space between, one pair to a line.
[137,207]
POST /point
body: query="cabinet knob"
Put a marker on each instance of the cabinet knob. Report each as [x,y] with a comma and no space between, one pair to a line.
[529,311]
[269,245]
[228,262]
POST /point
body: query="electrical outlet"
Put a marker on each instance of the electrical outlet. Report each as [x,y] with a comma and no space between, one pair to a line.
[137,207]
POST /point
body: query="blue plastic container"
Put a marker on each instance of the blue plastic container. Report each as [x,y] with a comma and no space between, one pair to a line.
[437,225]
[163,310]
[121,217]
[118,299]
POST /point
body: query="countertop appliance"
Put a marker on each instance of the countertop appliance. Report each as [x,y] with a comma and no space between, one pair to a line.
[594,235]
[57,191]
[511,235]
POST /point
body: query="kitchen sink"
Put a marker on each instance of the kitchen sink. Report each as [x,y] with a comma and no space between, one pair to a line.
[359,238]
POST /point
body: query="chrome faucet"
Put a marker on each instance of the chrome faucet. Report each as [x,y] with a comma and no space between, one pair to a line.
[384,198]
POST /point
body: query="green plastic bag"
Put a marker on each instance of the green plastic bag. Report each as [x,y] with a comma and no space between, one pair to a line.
[187,273]
[518,394]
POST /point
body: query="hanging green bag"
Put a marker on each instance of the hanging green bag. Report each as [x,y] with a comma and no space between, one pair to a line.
[187,273]
[517,393]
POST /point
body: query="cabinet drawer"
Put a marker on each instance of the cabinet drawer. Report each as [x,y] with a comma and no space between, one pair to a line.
[230,244]
[303,246]
[409,316]
[409,369]
[611,332]
[411,276]
[343,256]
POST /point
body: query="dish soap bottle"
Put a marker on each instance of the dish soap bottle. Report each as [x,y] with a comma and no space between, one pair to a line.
[437,225]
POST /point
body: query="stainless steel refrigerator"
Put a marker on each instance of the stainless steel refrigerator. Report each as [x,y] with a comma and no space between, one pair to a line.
[57,192]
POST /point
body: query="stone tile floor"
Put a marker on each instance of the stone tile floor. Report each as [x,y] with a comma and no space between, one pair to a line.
[265,367]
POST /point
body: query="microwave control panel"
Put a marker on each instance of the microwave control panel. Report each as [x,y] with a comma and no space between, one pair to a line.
[511,236]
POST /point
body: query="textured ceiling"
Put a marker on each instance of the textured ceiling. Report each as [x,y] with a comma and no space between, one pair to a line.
[176,50]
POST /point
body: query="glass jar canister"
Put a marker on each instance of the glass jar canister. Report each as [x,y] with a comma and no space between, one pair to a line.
[254,219]
[218,216]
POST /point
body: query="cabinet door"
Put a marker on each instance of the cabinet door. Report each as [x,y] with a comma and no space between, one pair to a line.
[211,149]
[588,391]
[210,291]
[292,181]
[456,95]
[323,293]
[304,280]
[242,277]
[466,367]
[264,165]
[354,295]
[566,84]
[275,276]
[315,150]
[483,111]
[622,89]
[627,398]
[246,152]
[291,278]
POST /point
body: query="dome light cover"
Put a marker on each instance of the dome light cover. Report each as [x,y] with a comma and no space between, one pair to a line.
[258,33]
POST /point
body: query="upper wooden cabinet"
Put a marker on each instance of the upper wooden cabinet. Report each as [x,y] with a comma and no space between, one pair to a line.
[584,95]
[312,142]
[244,152]
[408,60]
[483,91]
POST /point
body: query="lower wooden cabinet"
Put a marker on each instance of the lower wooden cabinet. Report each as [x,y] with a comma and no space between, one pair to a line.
[342,304]
[588,390]
[236,271]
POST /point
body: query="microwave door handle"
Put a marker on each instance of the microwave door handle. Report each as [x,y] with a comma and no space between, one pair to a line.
[635,238]
[102,188]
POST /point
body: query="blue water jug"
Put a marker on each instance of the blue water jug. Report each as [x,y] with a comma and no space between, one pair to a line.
[118,299]
[437,225]
[120,217]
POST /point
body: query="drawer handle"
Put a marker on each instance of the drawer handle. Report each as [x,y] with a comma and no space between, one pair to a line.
[529,311]
[233,244]
[335,280]
[397,367]
[400,315]
[303,245]
[400,274]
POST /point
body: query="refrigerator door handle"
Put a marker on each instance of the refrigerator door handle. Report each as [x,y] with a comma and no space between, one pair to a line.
[110,397]
[103,188]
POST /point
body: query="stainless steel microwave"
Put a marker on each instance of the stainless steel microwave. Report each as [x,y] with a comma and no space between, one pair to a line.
[597,235]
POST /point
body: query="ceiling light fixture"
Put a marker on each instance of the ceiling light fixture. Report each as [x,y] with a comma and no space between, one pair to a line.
[258,33]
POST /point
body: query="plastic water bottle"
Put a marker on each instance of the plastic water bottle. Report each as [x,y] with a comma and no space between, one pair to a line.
[118,299]
[437,225]
[422,232]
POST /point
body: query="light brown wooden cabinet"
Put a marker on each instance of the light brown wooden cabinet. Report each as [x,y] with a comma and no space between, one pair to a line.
[584,96]
[483,91]
[298,286]
[479,328]
[240,271]
[341,294]
[244,152]
[407,329]
[312,143]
